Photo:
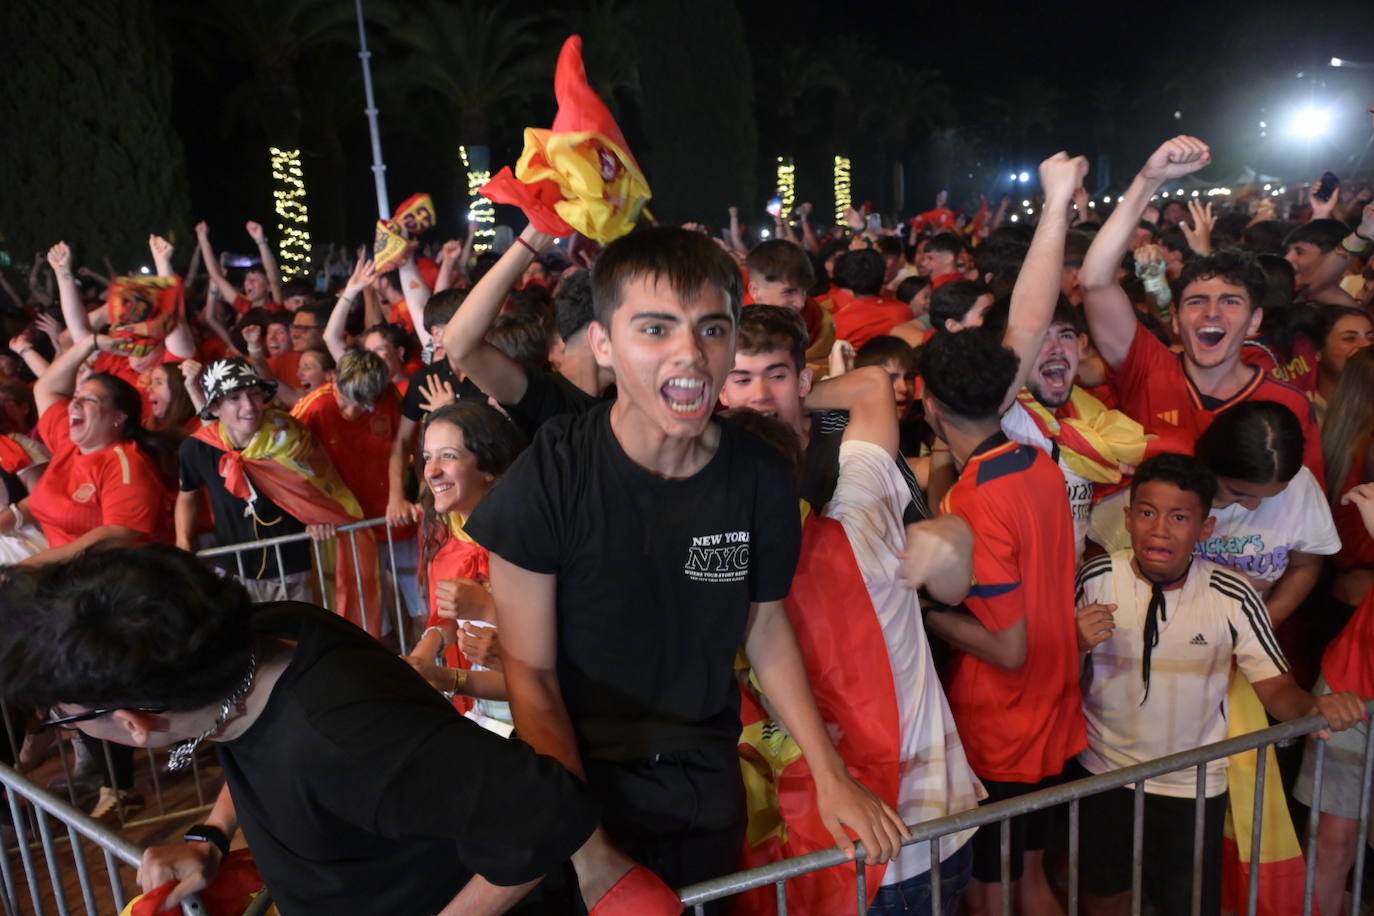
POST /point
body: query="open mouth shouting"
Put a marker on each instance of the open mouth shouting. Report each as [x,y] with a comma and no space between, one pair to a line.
[1210,335]
[1054,374]
[686,396]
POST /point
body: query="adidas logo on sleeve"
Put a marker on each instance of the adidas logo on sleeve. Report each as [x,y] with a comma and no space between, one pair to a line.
[1197,640]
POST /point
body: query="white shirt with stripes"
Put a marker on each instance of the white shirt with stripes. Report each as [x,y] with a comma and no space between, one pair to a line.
[1214,617]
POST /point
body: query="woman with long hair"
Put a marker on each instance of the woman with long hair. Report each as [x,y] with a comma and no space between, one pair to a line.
[170,403]
[466,447]
[1347,437]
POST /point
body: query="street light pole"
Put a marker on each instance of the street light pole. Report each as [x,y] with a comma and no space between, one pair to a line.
[378,166]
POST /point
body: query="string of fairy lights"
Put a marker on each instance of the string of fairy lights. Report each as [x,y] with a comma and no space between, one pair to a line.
[843,197]
[480,210]
[787,185]
[293,248]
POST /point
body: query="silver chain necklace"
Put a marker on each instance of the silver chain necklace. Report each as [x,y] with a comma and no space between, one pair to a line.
[182,755]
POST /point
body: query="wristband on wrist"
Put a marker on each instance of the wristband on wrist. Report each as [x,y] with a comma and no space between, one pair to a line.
[18,515]
[207,833]
[1356,247]
[460,680]
[521,240]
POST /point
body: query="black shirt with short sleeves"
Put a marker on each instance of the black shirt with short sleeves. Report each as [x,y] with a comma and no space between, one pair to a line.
[548,395]
[655,576]
[235,525]
[361,790]
[419,382]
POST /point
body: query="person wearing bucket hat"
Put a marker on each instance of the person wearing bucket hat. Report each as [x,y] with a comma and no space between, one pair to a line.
[267,475]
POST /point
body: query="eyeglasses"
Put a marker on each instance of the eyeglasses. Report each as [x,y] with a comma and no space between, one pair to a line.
[68,721]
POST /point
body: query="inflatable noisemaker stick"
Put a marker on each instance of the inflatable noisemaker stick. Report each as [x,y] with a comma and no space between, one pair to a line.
[414,216]
[579,175]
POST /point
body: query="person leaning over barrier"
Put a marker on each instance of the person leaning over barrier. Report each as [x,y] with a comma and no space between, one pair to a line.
[339,761]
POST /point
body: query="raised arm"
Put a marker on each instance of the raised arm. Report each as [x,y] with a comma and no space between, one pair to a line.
[867,394]
[1111,317]
[269,260]
[213,268]
[361,278]
[73,311]
[60,380]
[161,250]
[448,263]
[464,339]
[417,294]
[1037,285]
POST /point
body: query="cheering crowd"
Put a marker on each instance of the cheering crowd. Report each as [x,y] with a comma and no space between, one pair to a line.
[893,521]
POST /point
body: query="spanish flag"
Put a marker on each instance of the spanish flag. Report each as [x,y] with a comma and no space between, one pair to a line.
[847,664]
[578,176]
[286,462]
[1282,869]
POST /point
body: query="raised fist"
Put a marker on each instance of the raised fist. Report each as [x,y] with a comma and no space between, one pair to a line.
[1183,155]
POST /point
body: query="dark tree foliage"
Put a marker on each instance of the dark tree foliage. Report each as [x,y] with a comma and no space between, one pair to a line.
[90,154]
[698,112]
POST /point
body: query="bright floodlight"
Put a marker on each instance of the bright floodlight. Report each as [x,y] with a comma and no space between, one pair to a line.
[1311,122]
[1024,176]
[1336,61]
[764,233]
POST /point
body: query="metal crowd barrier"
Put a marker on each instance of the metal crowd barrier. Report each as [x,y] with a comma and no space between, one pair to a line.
[33,812]
[351,530]
[778,873]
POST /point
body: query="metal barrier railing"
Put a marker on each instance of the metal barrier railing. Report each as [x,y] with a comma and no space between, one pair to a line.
[777,874]
[351,530]
[32,812]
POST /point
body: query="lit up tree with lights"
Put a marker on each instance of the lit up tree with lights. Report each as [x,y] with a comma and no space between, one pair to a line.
[787,185]
[293,245]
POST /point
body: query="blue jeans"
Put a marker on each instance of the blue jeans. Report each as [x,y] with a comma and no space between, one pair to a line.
[912,896]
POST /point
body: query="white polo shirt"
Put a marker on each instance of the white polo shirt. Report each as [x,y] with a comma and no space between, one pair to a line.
[1214,617]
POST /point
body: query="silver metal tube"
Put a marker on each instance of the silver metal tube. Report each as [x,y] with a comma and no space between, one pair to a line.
[1256,830]
[374,132]
[59,893]
[319,570]
[238,558]
[281,571]
[1005,854]
[21,832]
[1364,816]
[7,882]
[934,846]
[358,576]
[1313,821]
[1137,845]
[1073,857]
[83,870]
[116,885]
[861,879]
[1199,821]
[780,893]
[402,636]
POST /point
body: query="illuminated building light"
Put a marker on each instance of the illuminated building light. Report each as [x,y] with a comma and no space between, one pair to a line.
[288,193]
[1015,218]
[1024,176]
[1107,199]
[764,233]
[844,198]
[787,185]
[481,212]
[1195,193]
[1092,203]
[1013,176]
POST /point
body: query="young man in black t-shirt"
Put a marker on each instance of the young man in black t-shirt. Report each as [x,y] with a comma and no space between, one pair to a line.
[633,550]
[357,786]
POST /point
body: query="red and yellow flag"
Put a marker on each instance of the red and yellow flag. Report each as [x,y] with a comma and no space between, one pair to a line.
[143,311]
[578,176]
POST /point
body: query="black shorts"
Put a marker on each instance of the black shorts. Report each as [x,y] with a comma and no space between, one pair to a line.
[1105,845]
[1028,832]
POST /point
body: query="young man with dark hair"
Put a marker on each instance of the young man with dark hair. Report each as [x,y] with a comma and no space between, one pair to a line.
[1318,256]
[337,757]
[1162,628]
[864,312]
[895,357]
[1218,308]
[958,305]
[778,272]
[939,259]
[634,549]
[1014,681]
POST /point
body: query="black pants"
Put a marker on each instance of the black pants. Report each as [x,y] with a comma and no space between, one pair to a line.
[681,814]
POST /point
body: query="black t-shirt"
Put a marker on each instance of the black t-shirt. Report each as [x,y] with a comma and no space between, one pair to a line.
[361,790]
[410,407]
[200,468]
[655,577]
[548,395]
